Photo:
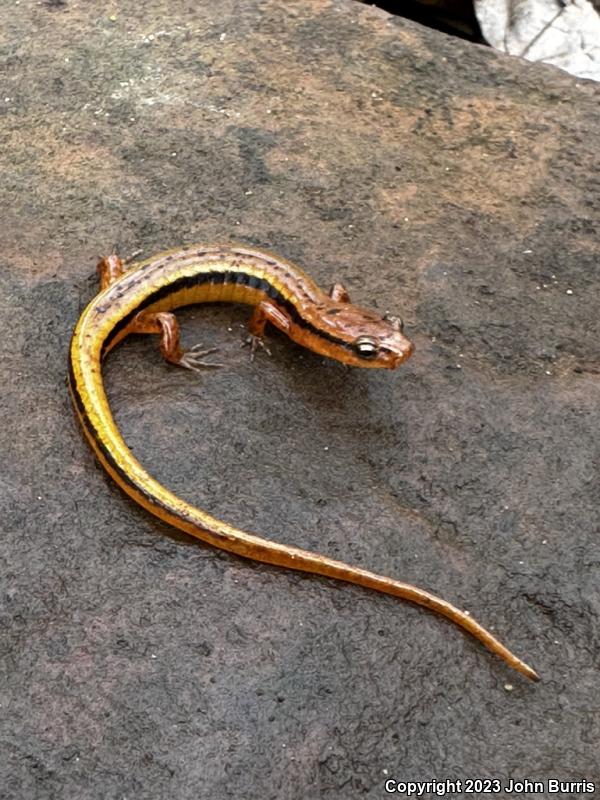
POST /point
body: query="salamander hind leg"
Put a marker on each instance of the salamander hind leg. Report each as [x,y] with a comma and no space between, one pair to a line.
[109,269]
[165,324]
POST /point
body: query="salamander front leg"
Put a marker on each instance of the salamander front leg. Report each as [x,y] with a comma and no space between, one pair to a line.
[165,324]
[263,313]
[339,293]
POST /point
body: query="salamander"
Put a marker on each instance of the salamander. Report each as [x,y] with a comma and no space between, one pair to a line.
[141,299]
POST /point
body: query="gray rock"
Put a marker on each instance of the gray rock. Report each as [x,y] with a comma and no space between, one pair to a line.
[566,34]
[438,180]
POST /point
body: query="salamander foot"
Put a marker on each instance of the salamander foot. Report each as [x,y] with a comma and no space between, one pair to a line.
[254,342]
[192,359]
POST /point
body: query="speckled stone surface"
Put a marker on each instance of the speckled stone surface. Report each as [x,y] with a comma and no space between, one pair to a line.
[436,179]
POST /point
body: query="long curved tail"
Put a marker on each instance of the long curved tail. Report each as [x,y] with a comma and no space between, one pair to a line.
[97,422]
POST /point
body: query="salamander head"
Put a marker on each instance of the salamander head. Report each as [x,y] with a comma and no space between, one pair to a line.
[362,338]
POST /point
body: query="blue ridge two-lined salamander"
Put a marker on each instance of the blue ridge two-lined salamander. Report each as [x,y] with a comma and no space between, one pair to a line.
[142,299]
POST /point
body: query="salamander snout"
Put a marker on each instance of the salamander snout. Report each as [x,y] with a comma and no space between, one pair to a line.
[401,349]
[371,341]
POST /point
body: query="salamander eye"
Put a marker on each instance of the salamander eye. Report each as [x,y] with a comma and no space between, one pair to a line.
[366,347]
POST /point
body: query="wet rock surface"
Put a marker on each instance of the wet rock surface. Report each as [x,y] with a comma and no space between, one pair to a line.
[436,179]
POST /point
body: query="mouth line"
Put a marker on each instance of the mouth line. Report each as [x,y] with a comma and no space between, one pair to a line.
[404,356]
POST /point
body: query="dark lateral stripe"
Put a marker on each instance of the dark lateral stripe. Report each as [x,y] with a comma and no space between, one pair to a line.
[186,282]
[223,277]
[93,434]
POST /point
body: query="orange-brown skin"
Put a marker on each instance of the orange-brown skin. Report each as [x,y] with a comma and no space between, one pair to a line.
[141,300]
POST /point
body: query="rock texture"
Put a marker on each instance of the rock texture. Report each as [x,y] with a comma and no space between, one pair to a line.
[564,34]
[437,179]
